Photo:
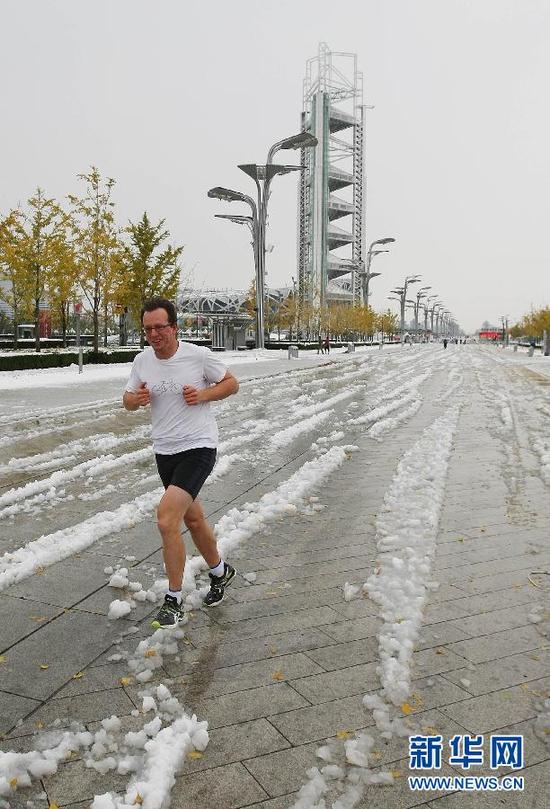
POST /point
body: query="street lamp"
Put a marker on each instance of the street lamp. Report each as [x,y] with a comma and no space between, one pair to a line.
[401,292]
[302,140]
[263,176]
[366,275]
[435,312]
[229,195]
[420,294]
[426,312]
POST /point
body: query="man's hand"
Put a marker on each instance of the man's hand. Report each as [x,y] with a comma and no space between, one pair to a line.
[133,401]
[143,395]
[192,395]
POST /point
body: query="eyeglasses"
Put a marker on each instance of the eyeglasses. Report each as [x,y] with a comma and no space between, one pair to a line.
[160,327]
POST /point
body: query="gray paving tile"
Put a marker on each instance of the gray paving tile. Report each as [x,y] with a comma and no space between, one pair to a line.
[19,618]
[502,673]
[82,708]
[343,682]
[354,629]
[50,647]
[228,787]
[435,661]
[14,708]
[492,711]
[207,681]
[236,743]
[284,772]
[492,621]
[74,781]
[342,655]
[309,724]
[268,606]
[499,644]
[229,653]
[257,627]
[65,583]
[243,706]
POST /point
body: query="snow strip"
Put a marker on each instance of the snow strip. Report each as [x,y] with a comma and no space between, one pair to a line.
[50,548]
[406,531]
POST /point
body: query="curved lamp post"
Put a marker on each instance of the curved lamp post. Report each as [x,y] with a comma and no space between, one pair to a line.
[228,195]
[401,292]
[366,275]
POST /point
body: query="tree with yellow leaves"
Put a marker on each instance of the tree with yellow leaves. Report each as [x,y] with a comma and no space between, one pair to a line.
[96,241]
[17,289]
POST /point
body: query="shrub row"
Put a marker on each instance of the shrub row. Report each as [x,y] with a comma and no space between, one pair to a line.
[23,362]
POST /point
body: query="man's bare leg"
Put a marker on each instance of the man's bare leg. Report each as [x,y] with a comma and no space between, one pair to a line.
[202,534]
[172,509]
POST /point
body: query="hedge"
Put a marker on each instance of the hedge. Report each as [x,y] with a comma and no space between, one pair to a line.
[23,362]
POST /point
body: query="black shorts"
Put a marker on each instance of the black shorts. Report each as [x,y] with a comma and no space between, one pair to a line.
[188,470]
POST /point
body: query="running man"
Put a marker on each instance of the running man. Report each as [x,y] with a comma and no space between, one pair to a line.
[179,380]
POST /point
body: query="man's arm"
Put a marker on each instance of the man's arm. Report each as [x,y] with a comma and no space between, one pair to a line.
[221,390]
[133,401]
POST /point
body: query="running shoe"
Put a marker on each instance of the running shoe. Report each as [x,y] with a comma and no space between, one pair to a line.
[217,586]
[169,615]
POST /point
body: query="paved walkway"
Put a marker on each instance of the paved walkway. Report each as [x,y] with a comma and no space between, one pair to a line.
[284,663]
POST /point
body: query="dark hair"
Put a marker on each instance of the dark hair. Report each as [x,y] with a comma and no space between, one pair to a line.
[161,303]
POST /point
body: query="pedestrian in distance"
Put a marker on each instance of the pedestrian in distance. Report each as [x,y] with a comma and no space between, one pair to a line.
[320,346]
[444,342]
[326,345]
[179,380]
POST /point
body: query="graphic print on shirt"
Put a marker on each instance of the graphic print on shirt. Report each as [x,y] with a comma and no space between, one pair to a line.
[166,386]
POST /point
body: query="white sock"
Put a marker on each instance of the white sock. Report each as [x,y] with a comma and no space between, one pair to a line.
[175,594]
[219,569]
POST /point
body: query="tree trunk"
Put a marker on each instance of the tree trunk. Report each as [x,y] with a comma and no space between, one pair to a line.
[63,325]
[37,324]
[96,330]
[105,326]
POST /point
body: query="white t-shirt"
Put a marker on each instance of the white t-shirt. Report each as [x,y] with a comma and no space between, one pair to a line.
[177,426]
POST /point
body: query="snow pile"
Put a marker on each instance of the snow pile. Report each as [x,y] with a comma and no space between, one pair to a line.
[19,769]
[153,755]
[46,550]
[287,436]
[406,533]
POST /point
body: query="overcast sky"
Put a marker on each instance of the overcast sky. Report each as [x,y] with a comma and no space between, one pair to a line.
[168,97]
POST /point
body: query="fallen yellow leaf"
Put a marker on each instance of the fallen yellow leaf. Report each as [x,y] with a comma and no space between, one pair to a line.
[440,652]
[126,681]
[39,571]
[138,800]
[44,666]
[3,658]
[397,773]
[54,805]
[343,734]
[193,755]
[407,708]
[13,783]
[273,650]
[430,730]
[78,675]
[278,675]
[39,618]
[151,653]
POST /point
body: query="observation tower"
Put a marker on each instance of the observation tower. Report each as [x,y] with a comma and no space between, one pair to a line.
[331,200]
